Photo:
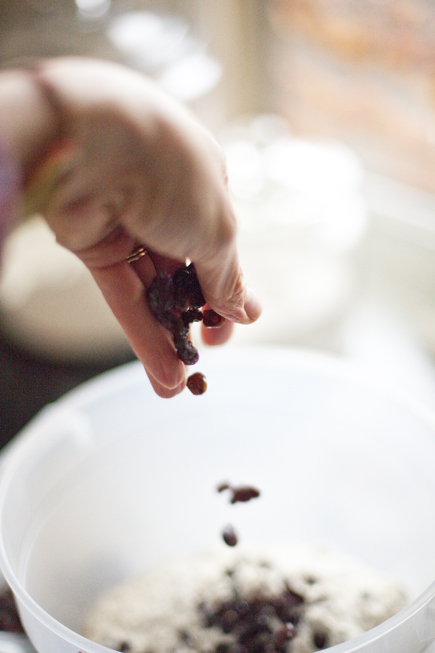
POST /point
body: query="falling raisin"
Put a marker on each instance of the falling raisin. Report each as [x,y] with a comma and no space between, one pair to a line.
[229,536]
[197,383]
[244,493]
[240,493]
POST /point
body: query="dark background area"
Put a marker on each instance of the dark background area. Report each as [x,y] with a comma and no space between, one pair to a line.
[28,383]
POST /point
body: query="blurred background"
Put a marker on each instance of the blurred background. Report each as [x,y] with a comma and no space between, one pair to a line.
[326,112]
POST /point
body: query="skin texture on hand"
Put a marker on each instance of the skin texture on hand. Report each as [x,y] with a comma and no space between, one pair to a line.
[145,172]
[27,124]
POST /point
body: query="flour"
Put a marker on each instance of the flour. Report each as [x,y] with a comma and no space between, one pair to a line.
[330,597]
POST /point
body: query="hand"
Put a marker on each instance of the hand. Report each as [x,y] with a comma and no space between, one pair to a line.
[144,172]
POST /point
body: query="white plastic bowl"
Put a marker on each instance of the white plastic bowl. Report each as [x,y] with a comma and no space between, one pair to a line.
[111,480]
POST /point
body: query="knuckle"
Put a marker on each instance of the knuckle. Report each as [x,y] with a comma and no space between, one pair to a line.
[234,299]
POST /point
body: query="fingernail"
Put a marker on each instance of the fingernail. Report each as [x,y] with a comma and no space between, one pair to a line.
[252,306]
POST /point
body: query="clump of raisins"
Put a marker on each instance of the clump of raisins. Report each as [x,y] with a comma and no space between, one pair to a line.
[257,623]
[175,301]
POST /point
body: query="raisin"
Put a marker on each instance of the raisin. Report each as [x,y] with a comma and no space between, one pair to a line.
[187,288]
[320,640]
[197,383]
[175,302]
[229,536]
[288,606]
[211,319]
[229,620]
[187,353]
[191,315]
[293,596]
[284,634]
[242,607]
[242,493]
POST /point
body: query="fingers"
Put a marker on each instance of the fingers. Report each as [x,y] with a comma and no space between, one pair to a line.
[215,337]
[148,170]
[224,286]
[229,296]
[210,336]
[125,294]
[161,390]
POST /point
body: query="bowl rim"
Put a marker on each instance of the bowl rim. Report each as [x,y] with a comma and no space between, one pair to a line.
[132,373]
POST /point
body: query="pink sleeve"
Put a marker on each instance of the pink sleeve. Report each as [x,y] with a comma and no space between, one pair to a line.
[9,188]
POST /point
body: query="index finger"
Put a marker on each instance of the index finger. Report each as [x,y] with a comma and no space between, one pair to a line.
[125,293]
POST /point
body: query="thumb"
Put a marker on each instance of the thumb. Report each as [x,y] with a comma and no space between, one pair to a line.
[224,288]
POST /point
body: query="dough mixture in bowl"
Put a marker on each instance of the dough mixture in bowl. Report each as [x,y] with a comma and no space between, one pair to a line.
[280,599]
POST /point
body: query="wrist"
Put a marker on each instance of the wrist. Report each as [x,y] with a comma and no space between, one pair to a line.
[28,122]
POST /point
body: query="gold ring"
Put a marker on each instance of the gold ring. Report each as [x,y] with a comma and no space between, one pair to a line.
[136,254]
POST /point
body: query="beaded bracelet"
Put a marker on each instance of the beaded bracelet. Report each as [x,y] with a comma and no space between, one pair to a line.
[39,187]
